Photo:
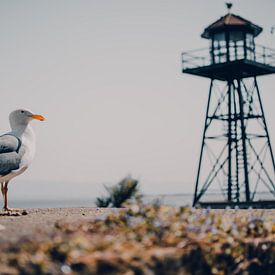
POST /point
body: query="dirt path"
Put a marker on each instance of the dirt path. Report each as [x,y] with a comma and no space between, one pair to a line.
[40,222]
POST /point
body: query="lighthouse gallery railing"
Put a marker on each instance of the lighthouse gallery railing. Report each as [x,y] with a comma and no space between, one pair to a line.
[204,57]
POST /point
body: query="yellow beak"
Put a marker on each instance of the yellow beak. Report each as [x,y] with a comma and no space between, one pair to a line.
[38,117]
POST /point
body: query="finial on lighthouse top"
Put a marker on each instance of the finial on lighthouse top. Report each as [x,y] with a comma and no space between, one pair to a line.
[229,6]
[230,23]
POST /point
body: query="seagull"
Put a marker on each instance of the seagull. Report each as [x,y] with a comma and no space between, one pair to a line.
[17,148]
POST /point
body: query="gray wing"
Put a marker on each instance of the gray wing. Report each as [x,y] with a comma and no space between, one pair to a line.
[9,157]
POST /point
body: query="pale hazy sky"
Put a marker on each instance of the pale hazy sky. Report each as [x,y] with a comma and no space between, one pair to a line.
[107,76]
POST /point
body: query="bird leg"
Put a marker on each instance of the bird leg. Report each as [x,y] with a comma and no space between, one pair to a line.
[4,189]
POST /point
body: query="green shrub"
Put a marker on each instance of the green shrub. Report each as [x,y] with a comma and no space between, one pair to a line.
[120,193]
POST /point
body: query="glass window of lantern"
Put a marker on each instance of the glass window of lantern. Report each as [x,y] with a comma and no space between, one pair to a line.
[236,45]
[249,46]
[235,36]
[219,48]
[219,40]
[219,36]
[249,40]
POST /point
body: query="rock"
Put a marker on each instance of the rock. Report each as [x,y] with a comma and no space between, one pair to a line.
[24,212]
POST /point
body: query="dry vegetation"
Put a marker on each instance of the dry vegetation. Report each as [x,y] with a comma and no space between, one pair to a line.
[151,240]
[120,193]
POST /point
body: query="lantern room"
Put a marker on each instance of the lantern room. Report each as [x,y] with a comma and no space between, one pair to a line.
[232,52]
[231,38]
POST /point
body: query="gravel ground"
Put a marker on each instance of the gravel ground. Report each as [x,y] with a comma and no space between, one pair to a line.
[39,223]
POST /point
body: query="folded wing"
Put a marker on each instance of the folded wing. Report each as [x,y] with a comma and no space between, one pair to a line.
[9,154]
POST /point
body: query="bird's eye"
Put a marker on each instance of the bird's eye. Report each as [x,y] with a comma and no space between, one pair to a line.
[22,112]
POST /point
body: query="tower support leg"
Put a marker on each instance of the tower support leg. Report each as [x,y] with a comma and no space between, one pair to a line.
[265,125]
[195,199]
[235,147]
[229,180]
[244,138]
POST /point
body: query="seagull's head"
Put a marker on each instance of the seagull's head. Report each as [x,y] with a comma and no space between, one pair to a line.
[22,117]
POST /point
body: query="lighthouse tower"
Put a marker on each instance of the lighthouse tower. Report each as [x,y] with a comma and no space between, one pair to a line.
[236,164]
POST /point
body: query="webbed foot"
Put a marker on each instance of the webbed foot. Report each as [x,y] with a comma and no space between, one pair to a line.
[13,212]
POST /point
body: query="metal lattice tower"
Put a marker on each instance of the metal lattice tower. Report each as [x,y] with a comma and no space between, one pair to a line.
[236,161]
